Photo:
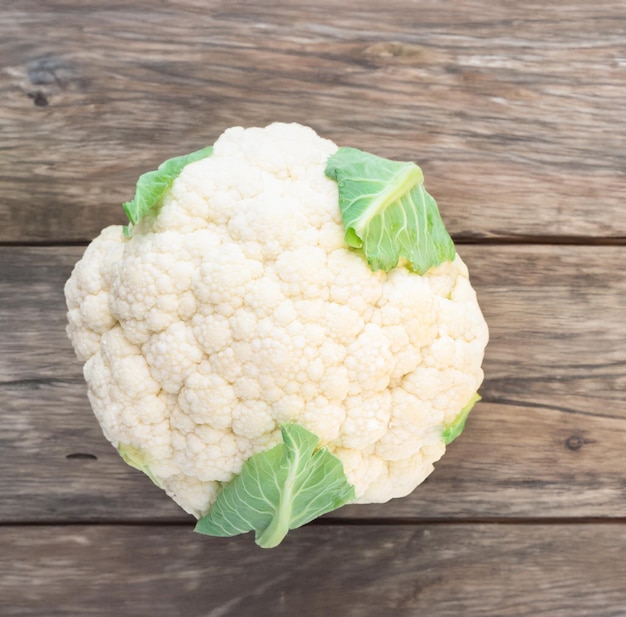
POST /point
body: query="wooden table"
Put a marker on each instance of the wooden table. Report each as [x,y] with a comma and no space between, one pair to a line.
[515,111]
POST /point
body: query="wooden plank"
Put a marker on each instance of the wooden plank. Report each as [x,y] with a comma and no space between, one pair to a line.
[547,440]
[439,571]
[515,115]
[33,314]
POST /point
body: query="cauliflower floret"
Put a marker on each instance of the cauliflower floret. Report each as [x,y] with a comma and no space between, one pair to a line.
[238,308]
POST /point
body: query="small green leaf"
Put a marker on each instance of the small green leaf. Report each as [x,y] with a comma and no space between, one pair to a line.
[387,212]
[452,431]
[137,458]
[279,489]
[151,186]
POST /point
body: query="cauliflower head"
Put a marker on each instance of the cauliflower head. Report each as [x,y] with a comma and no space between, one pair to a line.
[244,302]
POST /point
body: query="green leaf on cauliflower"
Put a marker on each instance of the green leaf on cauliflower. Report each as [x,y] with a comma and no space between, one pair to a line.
[387,212]
[279,489]
[151,186]
[136,458]
[453,430]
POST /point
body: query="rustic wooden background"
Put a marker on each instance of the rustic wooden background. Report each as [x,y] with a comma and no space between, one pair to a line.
[515,111]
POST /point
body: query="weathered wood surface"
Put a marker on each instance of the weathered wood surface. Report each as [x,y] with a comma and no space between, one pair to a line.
[515,111]
[547,441]
[364,571]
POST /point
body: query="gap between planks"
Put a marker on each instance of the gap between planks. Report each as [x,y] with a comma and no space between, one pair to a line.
[341,522]
[460,240]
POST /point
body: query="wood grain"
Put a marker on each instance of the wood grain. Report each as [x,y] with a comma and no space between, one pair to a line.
[514,113]
[548,440]
[439,571]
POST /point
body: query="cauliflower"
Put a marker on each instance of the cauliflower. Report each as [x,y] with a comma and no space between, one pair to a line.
[283,328]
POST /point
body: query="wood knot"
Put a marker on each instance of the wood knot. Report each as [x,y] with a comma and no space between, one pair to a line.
[53,75]
[575,442]
[39,98]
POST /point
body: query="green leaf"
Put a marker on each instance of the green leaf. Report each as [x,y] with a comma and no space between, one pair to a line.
[137,458]
[279,489]
[387,212]
[452,431]
[151,186]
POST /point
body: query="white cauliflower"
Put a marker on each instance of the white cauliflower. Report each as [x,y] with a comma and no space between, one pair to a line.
[240,303]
